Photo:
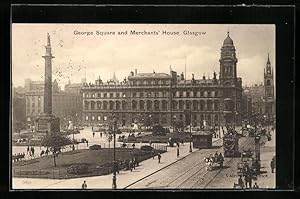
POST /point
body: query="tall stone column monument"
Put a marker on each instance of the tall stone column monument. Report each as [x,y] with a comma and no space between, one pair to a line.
[47,123]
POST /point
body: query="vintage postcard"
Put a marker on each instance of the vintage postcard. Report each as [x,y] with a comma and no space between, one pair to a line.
[143,106]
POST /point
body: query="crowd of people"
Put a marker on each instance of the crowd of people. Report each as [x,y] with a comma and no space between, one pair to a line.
[246,183]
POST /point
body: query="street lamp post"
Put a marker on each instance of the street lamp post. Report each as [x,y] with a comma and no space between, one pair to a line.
[114,180]
[191,138]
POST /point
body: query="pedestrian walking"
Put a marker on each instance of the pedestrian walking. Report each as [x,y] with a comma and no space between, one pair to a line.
[87,143]
[159,157]
[177,151]
[241,182]
[84,185]
[101,135]
[130,165]
[27,150]
[248,180]
[127,164]
[153,154]
[117,166]
[93,134]
[137,161]
[272,164]
[32,151]
[133,162]
[133,145]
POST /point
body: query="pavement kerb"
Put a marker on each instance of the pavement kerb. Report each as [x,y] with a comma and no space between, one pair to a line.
[163,168]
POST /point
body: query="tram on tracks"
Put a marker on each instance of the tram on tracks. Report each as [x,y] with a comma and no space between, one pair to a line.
[230,144]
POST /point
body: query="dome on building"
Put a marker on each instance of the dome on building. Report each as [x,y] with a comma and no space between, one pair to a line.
[228,40]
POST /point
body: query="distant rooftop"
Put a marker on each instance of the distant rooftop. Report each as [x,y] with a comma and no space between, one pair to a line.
[150,75]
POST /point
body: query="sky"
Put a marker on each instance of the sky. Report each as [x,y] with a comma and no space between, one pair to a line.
[91,56]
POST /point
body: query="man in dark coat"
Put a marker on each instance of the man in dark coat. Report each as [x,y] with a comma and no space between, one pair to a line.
[159,157]
[272,165]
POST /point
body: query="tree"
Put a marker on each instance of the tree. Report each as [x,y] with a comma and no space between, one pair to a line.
[55,141]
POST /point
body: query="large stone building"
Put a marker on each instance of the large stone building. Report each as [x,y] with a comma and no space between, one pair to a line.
[167,98]
[65,104]
[263,95]
[18,108]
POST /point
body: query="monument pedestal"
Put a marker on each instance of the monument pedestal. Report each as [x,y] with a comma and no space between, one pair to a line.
[47,124]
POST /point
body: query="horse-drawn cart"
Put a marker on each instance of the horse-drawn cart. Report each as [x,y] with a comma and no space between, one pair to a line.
[213,160]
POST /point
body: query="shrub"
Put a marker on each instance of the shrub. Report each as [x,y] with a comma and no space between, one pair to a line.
[95,147]
[146,148]
[77,169]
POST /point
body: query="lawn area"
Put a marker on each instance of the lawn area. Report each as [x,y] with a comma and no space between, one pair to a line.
[161,139]
[98,162]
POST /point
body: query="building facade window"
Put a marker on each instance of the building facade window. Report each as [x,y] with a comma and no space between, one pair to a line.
[134,104]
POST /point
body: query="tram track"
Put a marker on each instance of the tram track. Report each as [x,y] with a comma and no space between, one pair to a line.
[219,171]
[190,176]
[200,183]
[195,177]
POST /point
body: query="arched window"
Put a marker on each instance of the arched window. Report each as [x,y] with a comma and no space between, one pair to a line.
[174,105]
[92,105]
[149,105]
[118,105]
[180,105]
[164,105]
[86,104]
[98,104]
[142,105]
[209,105]
[105,105]
[216,105]
[124,105]
[156,105]
[268,82]
[111,105]
[195,105]
[188,104]
[216,119]
[134,104]
[202,104]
